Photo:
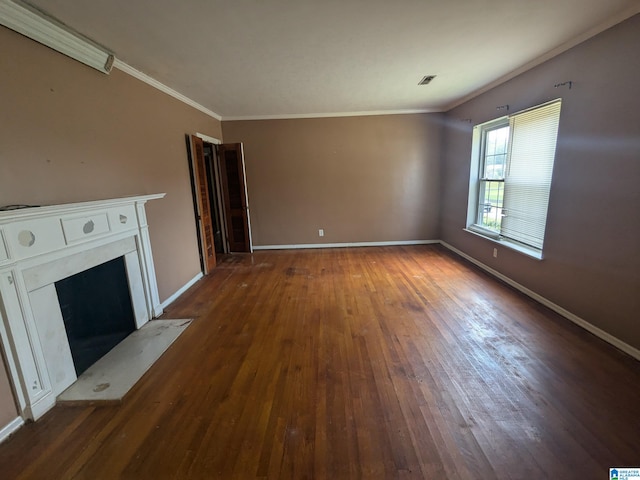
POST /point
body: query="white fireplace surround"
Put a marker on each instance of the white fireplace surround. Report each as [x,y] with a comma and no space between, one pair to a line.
[42,245]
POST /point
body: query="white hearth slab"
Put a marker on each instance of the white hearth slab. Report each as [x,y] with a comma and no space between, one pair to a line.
[111,377]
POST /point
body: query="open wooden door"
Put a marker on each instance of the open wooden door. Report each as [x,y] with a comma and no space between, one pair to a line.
[234,191]
[201,204]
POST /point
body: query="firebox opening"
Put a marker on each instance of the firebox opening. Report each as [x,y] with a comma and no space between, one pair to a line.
[97,311]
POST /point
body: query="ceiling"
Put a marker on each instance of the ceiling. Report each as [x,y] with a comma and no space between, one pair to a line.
[292,58]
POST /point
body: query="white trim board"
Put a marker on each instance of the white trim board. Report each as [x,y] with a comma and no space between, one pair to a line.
[208,139]
[287,116]
[343,245]
[128,69]
[33,23]
[607,337]
[10,428]
[583,37]
[180,291]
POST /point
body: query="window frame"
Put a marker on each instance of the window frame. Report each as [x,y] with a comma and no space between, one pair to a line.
[477,170]
[482,177]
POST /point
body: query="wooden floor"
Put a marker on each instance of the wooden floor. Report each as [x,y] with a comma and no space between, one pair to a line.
[372,363]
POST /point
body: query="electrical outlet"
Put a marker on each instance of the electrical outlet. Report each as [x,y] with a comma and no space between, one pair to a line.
[495,253]
[321,232]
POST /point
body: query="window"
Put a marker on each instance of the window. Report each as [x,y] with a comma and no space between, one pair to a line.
[511,170]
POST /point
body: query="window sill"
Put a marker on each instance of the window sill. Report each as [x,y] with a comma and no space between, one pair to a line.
[528,251]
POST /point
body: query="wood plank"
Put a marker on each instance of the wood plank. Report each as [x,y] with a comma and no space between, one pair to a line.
[376,363]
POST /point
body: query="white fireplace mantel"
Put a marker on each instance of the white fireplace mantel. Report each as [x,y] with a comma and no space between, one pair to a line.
[41,245]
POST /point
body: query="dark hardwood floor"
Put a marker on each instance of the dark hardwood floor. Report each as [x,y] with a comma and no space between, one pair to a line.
[371,363]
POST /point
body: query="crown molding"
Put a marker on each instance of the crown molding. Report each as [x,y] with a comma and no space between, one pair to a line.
[288,116]
[128,69]
[592,32]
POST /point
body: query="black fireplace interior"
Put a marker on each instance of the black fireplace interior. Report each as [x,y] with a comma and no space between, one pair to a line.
[97,311]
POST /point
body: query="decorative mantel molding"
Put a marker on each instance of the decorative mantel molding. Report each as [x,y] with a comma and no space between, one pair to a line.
[41,245]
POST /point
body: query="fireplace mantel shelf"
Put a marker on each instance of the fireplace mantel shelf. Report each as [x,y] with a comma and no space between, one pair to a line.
[48,210]
[42,245]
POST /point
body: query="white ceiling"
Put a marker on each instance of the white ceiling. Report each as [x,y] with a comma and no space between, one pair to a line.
[281,58]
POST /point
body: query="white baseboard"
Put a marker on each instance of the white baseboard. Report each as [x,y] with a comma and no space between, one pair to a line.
[343,245]
[10,428]
[607,337]
[183,289]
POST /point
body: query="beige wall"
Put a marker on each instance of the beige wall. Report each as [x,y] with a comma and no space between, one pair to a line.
[8,410]
[70,133]
[361,179]
[592,245]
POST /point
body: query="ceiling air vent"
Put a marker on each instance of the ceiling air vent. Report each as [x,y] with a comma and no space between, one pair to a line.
[426,80]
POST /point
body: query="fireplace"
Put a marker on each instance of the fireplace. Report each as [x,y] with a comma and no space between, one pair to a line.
[96,310]
[49,259]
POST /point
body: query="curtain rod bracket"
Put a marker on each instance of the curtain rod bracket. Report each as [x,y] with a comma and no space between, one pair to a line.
[569,82]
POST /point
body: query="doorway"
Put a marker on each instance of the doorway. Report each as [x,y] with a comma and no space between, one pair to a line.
[220,200]
[234,196]
[209,161]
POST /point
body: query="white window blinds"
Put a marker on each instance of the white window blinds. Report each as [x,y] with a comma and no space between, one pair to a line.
[528,177]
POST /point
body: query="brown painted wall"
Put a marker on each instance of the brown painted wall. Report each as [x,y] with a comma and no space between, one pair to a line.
[361,179]
[8,410]
[592,245]
[70,133]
